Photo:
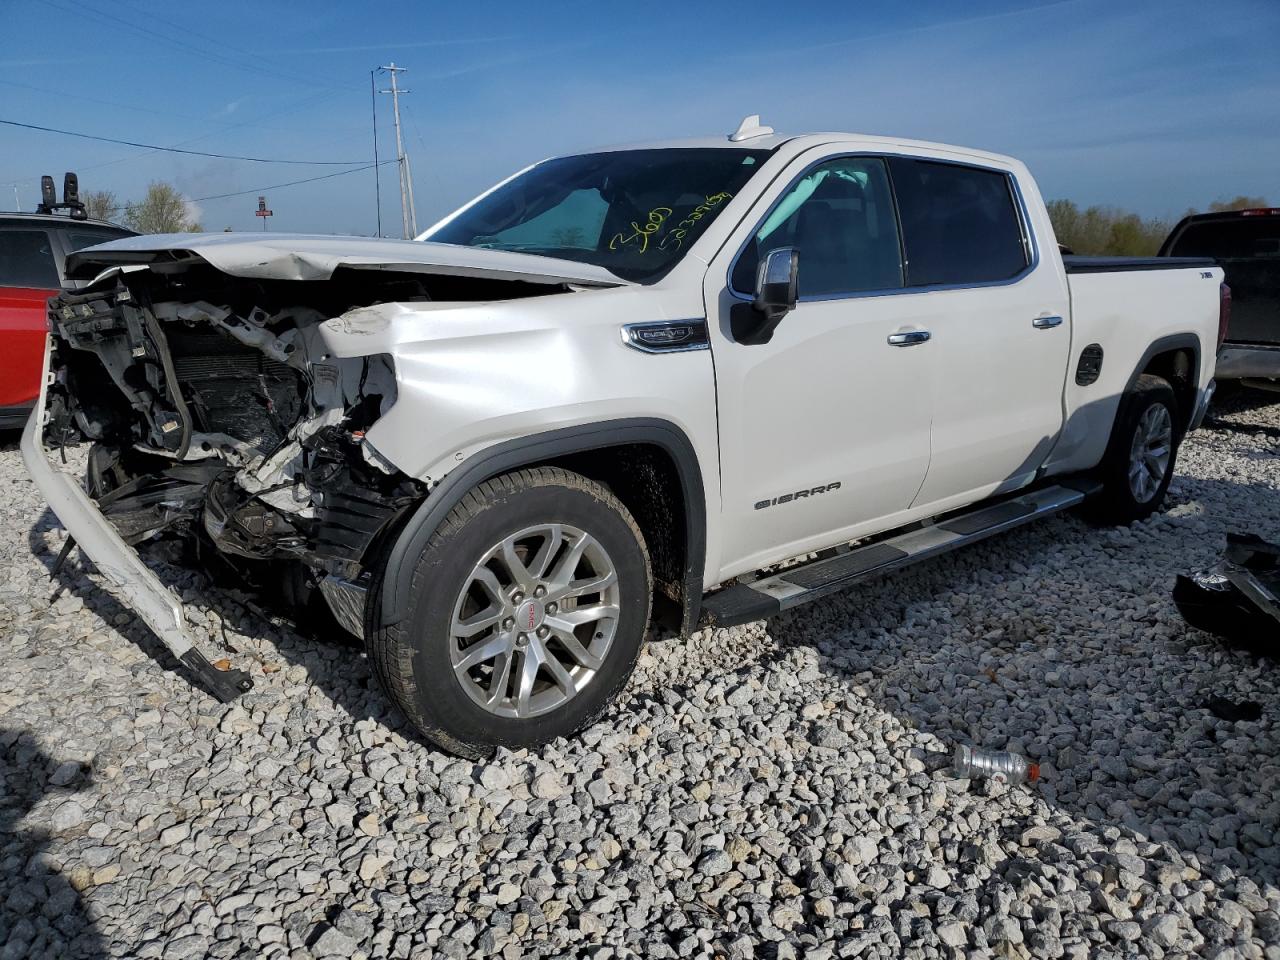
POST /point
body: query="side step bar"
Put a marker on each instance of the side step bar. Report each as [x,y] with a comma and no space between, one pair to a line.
[757,599]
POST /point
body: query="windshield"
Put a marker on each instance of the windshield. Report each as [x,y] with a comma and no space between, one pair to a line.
[633,212]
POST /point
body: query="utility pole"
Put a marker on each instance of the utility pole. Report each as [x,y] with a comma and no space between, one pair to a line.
[377,167]
[407,214]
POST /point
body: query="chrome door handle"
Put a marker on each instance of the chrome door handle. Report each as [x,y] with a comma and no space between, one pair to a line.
[909,338]
[1046,323]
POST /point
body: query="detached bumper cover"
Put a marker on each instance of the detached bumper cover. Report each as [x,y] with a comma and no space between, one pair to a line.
[142,589]
[1239,599]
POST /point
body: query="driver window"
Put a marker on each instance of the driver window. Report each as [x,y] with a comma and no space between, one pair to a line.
[840,217]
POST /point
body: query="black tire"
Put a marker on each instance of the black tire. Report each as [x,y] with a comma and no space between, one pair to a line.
[1118,503]
[412,658]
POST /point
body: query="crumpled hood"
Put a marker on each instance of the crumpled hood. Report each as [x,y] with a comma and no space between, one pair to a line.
[284,256]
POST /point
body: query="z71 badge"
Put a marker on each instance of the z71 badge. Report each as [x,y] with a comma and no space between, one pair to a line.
[798,495]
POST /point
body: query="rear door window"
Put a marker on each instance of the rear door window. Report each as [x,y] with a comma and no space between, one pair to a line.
[27,260]
[960,224]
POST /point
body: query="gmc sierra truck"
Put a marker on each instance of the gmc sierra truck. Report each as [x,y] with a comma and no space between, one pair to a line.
[692,382]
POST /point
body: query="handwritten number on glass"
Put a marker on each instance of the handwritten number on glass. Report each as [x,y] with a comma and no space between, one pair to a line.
[642,233]
[674,238]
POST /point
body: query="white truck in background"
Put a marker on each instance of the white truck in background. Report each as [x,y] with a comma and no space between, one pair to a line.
[619,385]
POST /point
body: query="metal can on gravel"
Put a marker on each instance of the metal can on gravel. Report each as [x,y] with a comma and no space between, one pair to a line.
[1002,765]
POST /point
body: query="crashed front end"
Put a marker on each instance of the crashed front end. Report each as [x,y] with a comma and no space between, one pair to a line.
[217,414]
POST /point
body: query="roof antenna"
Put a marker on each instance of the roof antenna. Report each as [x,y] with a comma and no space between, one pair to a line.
[749,129]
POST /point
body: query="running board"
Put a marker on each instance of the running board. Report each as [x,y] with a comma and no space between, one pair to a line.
[757,599]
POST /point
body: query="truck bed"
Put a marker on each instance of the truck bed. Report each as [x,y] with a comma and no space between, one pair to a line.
[1075,264]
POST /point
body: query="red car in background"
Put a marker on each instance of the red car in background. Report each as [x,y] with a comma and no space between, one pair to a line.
[33,249]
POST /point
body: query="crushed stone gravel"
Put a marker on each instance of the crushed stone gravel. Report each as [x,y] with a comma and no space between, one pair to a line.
[777,790]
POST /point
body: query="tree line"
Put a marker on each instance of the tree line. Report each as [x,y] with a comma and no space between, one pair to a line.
[162,210]
[1096,230]
[1110,231]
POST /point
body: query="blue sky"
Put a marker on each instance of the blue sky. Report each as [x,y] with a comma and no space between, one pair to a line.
[1154,106]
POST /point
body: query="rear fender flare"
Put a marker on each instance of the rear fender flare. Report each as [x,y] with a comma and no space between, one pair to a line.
[1176,341]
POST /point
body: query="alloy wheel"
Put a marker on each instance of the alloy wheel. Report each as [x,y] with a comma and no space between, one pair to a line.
[534,620]
[1150,452]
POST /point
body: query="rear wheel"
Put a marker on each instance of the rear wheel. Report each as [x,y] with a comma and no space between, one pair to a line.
[1140,458]
[528,609]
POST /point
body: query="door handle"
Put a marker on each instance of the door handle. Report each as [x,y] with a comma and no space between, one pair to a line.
[909,338]
[1046,323]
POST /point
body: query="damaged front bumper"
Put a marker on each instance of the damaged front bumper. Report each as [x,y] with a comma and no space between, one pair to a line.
[120,563]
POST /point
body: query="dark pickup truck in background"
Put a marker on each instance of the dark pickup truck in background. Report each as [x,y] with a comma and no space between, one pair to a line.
[1246,244]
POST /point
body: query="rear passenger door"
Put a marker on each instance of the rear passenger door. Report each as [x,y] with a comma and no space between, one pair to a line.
[998,320]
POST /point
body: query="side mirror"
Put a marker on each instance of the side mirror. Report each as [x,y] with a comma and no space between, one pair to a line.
[775,297]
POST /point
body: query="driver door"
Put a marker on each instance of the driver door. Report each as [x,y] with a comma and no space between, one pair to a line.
[824,429]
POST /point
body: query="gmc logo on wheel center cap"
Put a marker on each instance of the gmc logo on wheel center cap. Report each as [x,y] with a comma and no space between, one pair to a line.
[529,616]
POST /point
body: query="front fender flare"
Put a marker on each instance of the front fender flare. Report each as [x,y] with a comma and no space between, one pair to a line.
[390,604]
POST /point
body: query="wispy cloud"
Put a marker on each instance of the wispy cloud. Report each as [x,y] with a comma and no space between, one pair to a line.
[907,31]
[394,45]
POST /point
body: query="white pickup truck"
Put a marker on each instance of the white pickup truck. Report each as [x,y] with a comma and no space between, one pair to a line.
[618,387]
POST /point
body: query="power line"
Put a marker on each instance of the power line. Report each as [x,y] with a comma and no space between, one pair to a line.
[63,94]
[300,105]
[291,183]
[274,186]
[116,20]
[195,153]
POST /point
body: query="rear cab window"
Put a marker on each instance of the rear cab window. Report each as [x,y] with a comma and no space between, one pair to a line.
[960,224]
[27,259]
[1237,238]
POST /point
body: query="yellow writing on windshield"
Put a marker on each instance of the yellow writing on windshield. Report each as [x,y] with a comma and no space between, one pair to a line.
[642,232]
[674,238]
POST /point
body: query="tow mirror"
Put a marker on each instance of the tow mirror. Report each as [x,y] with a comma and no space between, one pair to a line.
[775,297]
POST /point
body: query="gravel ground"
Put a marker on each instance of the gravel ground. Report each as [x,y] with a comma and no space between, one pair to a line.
[769,791]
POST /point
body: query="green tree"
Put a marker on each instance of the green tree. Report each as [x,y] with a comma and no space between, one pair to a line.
[1239,203]
[162,210]
[1106,231]
[102,205]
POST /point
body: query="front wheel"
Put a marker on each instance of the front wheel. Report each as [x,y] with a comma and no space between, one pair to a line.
[1140,458]
[528,609]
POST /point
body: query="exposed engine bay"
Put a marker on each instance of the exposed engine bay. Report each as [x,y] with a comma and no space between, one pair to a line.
[217,416]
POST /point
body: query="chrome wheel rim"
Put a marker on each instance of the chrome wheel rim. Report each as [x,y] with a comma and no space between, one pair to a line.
[534,621]
[1150,452]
